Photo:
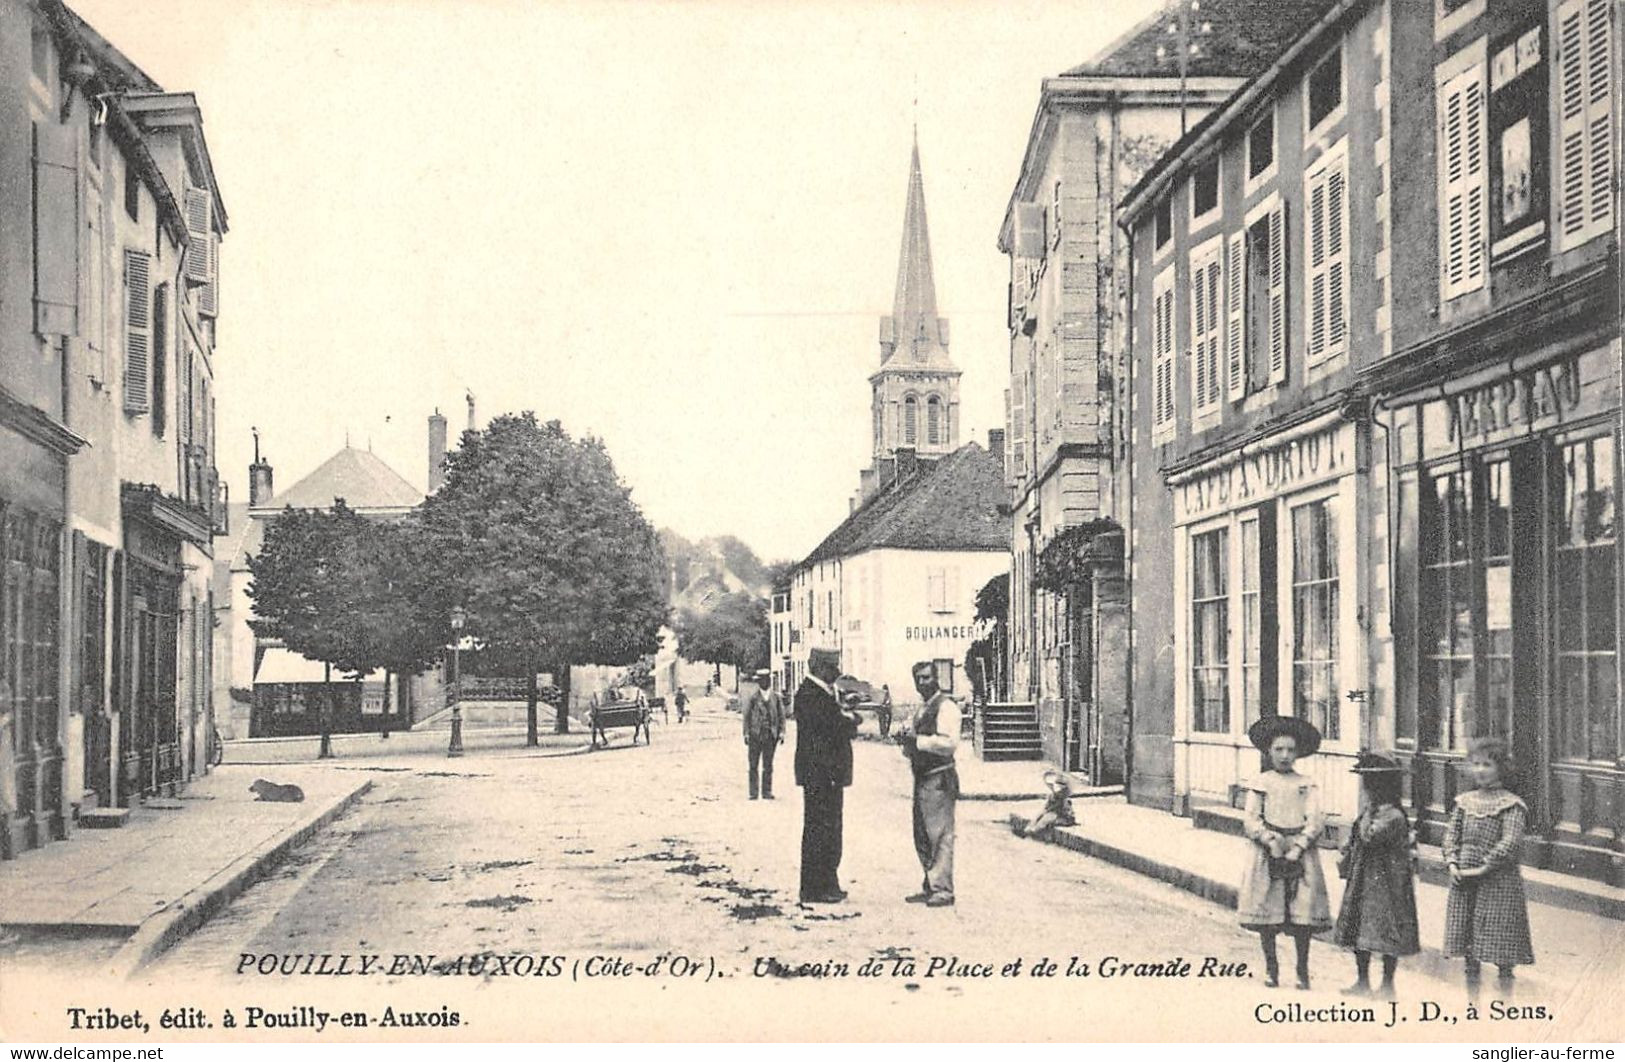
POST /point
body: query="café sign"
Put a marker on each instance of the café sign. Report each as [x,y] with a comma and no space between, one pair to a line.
[1514,401]
[1264,471]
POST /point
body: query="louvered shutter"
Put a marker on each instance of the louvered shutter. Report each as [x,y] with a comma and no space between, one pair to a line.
[199,243]
[137,331]
[1199,381]
[1315,246]
[1214,342]
[1585,122]
[1018,424]
[1464,215]
[56,230]
[1599,117]
[208,303]
[1277,294]
[1337,227]
[1235,334]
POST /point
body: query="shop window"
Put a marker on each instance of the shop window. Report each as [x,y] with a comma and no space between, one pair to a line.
[1252,622]
[1447,602]
[1315,612]
[1210,632]
[1586,612]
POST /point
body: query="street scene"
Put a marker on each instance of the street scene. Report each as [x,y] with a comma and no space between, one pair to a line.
[1086,522]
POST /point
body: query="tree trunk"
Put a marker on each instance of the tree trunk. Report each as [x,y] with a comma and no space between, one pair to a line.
[531,740]
[561,717]
[325,717]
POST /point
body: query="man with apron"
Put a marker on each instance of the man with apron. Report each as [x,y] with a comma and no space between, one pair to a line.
[930,749]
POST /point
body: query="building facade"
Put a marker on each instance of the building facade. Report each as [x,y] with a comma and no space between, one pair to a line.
[109,495]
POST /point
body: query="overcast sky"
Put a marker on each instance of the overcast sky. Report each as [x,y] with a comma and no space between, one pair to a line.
[673,226]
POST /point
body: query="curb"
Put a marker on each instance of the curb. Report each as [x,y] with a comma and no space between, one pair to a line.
[185,915]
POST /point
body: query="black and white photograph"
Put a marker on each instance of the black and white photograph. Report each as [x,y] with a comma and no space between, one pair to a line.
[898,521]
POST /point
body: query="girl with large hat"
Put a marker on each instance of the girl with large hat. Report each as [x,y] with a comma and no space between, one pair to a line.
[1283,889]
[1379,902]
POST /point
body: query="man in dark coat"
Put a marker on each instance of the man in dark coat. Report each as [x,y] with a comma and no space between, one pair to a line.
[823,771]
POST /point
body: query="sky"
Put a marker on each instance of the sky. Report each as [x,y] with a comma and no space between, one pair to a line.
[671,226]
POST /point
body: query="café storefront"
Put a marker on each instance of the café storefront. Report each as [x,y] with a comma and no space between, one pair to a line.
[1507,593]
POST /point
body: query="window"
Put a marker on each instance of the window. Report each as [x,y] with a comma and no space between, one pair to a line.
[30,559]
[1585,162]
[1235,315]
[160,359]
[945,677]
[1162,354]
[1265,314]
[1205,191]
[1326,237]
[1326,89]
[879,423]
[1252,622]
[132,191]
[1207,286]
[137,332]
[1451,15]
[1447,595]
[911,421]
[933,420]
[1463,173]
[1315,615]
[941,588]
[1586,541]
[1261,146]
[1210,632]
[1163,224]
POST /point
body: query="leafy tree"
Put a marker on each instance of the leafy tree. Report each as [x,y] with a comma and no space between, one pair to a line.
[734,632]
[403,629]
[534,534]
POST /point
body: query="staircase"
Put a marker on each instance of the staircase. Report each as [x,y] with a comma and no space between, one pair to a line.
[1010,732]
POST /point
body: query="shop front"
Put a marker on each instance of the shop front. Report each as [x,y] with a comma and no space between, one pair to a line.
[1269,587]
[1507,595]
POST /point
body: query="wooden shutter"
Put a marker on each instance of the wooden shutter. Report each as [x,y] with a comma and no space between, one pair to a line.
[1029,230]
[96,290]
[208,303]
[137,331]
[1326,239]
[1199,313]
[1463,210]
[198,233]
[1235,316]
[1018,422]
[1337,253]
[56,230]
[1214,343]
[1277,294]
[1585,121]
[1162,348]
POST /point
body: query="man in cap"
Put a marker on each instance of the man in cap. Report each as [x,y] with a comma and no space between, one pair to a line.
[762,713]
[823,770]
[930,749]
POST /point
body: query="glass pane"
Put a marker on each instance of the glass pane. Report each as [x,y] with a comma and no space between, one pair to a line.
[1497,714]
[1604,714]
[1461,704]
[1572,494]
[1498,509]
[1602,604]
[1462,611]
[1604,508]
[1568,615]
[1249,556]
[1250,629]
[1571,706]
[1498,607]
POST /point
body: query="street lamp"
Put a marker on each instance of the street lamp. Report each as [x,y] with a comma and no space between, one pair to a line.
[459,618]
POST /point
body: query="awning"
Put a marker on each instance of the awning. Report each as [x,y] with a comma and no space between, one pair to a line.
[282,666]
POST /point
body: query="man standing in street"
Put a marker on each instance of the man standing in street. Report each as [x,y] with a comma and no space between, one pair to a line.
[763,715]
[823,770]
[930,748]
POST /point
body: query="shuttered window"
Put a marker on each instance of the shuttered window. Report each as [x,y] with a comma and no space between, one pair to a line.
[1585,162]
[137,332]
[56,230]
[1162,356]
[1463,183]
[160,359]
[1235,316]
[1326,239]
[198,233]
[1207,293]
[1018,422]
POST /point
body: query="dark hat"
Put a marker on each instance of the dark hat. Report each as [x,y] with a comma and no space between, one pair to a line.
[1271,727]
[1370,762]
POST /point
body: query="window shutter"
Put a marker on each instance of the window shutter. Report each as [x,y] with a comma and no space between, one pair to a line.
[1315,240]
[137,331]
[1235,317]
[1585,122]
[1327,246]
[198,246]
[1464,214]
[96,291]
[1018,425]
[1029,230]
[1599,116]
[1277,294]
[1162,346]
[56,230]
[1199,382]
[209,297]
[1215,327]
[1337,224]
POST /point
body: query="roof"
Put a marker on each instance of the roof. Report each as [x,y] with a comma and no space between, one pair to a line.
[359,477]
[1245,36]
[947,503]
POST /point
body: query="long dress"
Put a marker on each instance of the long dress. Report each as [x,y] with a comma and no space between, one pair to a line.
[1486,918]
[1379,904]
[1283,810]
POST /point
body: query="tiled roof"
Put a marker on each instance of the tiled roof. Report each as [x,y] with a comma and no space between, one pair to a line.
[1246,37]
[357,476]
[947,503]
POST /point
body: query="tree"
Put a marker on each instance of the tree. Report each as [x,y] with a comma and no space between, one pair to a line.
[733,632]
[402,629]
[534,535]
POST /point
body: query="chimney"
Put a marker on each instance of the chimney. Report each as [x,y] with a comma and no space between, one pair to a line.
[259,477]
[907,462]
[470,410]
[885,472]
[995,444]
[437,450]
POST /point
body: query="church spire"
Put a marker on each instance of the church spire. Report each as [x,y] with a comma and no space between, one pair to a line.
[914,310]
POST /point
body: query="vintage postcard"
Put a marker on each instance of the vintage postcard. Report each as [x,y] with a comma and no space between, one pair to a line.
[815,521]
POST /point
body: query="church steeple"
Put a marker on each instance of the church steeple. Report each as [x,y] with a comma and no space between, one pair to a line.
[916,388]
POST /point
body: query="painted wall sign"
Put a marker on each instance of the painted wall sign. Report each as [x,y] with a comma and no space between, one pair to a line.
[1268,472]
[932,632]
[1514,402]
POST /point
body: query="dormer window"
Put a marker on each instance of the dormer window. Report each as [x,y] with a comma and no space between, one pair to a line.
[1261,146]
[1326,89]
[1205,192]
[1163,224]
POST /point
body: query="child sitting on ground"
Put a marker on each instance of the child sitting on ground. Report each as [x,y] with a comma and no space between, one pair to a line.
[1057,809]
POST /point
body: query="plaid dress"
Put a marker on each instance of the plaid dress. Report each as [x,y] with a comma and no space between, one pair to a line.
[1486,918]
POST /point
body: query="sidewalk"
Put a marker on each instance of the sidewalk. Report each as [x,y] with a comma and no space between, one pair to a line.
[1580,957]
[172,864]
[303,749]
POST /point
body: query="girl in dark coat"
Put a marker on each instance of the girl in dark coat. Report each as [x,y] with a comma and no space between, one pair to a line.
[1379,904]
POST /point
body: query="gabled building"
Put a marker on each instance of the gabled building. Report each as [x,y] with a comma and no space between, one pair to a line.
[109,499]
[1098,127]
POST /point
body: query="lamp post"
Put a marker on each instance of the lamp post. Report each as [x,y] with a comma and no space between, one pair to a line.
[458,618]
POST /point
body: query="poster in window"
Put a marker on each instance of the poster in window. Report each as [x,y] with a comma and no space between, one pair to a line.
[1518,148]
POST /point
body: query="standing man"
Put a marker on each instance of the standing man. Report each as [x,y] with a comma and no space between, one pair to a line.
[762,713]
[930,749]
[823,770]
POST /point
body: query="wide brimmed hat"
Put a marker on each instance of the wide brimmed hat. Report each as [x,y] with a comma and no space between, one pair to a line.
[1370,762]
[1271,727]
[1053,776]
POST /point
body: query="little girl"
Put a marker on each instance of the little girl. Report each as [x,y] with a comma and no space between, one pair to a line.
[1486,918]
[1057,809]
[1282,887]
[1379,905]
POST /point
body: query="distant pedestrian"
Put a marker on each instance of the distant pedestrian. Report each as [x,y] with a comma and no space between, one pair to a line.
[823,770]
[883,716]
[682,705]
[1486,918]
[1379,903]
[762,717]
[930,744]
[1283,889]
